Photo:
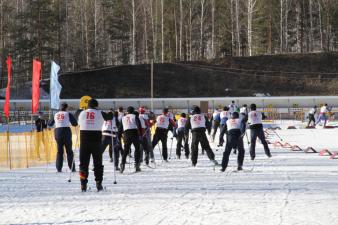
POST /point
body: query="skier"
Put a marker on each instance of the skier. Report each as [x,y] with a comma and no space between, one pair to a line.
[236,129]
[132,134]
[323,114]
[198,123]
[181,135]
[215,123]
[311,116]
[161,132]
[109,131]
[63,136]
[232,108]
[90,121]
[40,125]
[255,120]
[243,112]
[146,135]
[224,115]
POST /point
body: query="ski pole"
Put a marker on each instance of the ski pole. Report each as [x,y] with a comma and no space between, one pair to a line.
[159,149]
[113,152]
[171,147]
[278,135]
[73,163]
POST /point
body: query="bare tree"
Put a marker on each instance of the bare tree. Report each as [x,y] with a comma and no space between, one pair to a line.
[201,28]
[251,7]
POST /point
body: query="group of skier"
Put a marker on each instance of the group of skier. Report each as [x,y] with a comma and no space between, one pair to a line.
[100,129]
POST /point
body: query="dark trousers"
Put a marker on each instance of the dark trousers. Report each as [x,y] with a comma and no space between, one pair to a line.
[63,137]
[200,137]
[234,141]
[223,130]
[146,149]
[131,137]
[90,145]
[107,141]
[182,137]
[311,119]
[161,135]
[258,132]
[215,125]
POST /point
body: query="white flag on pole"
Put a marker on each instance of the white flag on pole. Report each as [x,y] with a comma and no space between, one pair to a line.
[55,87]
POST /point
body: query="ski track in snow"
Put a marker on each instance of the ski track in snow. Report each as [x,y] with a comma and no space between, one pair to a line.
[291,188]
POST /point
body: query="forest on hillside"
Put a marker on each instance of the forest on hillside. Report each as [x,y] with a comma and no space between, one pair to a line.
[86,34]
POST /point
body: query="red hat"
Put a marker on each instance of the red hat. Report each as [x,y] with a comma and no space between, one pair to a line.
[141,110]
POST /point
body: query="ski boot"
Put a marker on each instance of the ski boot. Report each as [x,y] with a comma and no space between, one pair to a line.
[99,186]
[122,166]
[215,162]
[239,168]
[137,168]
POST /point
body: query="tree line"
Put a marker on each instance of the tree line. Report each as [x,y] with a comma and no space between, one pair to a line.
[85,34]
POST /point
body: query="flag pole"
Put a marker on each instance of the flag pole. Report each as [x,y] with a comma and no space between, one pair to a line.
[9,145]
[152,85]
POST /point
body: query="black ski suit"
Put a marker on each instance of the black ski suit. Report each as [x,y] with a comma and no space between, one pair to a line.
[199,136]
[63,138]
[90,142]
[257,131]
[234,141]
[132,136]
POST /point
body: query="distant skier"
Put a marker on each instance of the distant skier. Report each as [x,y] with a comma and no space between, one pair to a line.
[91,121]
[40,125]
[236,130]
[323,114]
[243,112]
[161,132]
[198,123]
[256,127]
[232,108]
[63,136]
[311,116]
[132,134]
[225,114]
[109,131]
[215,122]
[182,136]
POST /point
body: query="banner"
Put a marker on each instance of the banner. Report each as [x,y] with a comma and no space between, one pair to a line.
[55,87]
[9,74]
[36,85]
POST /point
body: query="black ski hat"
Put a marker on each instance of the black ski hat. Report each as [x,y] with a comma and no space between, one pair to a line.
[165,110]
[225,108]
[253,106]
[93,103]
[235,115]
[130,109]
[196,110]
[183,115]
[64,106]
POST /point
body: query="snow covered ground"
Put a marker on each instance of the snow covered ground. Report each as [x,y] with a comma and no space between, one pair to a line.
[291,188]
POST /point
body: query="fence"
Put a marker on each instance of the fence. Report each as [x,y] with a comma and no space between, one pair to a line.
[28,149]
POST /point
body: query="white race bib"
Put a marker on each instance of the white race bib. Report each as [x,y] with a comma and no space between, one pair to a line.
[181,122]
[107,125]
[233,124]
[197,121]
[255,117]
[62,119]
[162,121]
[91,119]
[129,122]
